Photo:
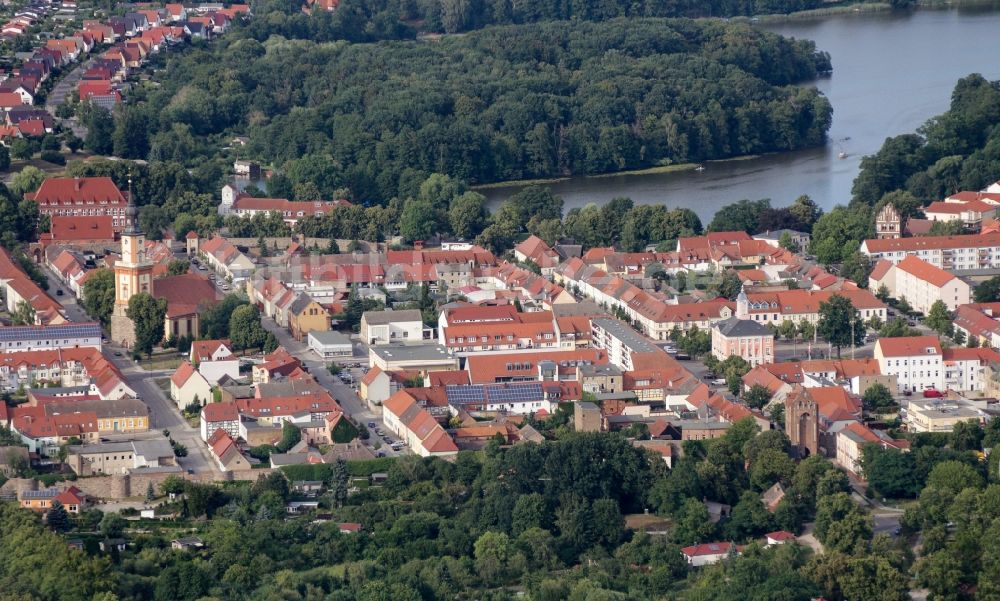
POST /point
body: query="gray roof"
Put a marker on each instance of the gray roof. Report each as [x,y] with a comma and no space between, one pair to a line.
[776,234]
[102,407]
[629,337]
[300,303]
[374,318]
[582,308]
[742,327]
[330,337]
[412,352]
[62,390]
[153,449]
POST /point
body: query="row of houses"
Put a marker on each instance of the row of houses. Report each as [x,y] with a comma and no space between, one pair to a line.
[18,288]
[657,316]
[48,422]
[136,36]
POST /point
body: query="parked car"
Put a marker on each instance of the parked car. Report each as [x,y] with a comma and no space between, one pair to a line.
[58,291]
[931,393]
[683,357]
[719,382]
[371,425]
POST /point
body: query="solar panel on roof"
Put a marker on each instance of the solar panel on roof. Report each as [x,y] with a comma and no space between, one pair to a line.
[76,330]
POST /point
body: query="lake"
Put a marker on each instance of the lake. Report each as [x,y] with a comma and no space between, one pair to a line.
[891,72]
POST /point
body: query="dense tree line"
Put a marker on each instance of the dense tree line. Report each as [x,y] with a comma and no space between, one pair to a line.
[547,521]
[372,20]
[493,105]
[957,150]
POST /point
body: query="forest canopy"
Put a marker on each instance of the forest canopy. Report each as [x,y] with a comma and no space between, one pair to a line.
[498,104]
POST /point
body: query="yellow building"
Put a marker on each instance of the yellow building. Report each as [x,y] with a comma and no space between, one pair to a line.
[306,315]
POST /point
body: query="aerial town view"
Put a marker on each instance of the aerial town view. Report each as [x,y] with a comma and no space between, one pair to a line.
[438,300]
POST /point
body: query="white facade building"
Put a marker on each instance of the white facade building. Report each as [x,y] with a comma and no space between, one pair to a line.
[916,361]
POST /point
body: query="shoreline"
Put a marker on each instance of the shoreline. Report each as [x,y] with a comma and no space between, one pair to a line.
[659,169]
[864,8]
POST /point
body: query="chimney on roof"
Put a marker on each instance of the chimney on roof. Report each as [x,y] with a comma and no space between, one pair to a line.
[77,183]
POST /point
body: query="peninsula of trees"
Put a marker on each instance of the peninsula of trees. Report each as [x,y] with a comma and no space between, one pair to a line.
[504,103]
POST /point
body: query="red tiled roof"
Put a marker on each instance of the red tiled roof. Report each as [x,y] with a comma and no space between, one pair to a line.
[202,350]
[834,401]
[925,271]
[909,346]
[10,99]
[932,243]
[485,369]
[183,373]
[81,227]
[881,268]
[707,549]
[57,191]
[185,294]
[781,535]
[220,412]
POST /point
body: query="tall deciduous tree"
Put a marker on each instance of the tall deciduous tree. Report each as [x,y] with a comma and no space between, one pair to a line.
[840,324]
[245,329]
[467,215]
[23,314]
[147,313]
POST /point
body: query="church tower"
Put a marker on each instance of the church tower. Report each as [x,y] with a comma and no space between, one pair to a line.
[802,421]
[133,274]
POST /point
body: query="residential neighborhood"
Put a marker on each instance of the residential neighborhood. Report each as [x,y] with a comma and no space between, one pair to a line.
[303,300]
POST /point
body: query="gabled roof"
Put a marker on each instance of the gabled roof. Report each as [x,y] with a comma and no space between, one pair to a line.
[69,190]
[220,412]
[182,374]
[735,327]
[923,270]
[880,269]
[203,350]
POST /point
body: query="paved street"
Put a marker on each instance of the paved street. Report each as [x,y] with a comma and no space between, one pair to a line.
[66,85]
[344,394]
[163,413]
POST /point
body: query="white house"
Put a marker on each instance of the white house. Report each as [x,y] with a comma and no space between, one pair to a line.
[920,283]
[916,361]
[708,553]
[974,251]
[215,360]
[385,327]
[187,386]
[964,368]
[779,538]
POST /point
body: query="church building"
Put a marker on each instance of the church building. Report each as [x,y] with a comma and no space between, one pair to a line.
[187,294]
